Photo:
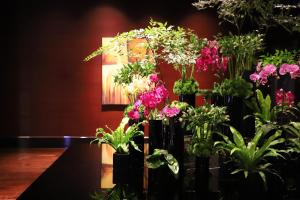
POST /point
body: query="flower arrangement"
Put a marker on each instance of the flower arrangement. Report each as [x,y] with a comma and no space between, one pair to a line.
[268,66]
[210,56]
[148,100]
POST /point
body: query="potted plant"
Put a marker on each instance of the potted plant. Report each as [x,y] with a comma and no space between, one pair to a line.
[120,139]
[252,158]
[275,71]
[203,121]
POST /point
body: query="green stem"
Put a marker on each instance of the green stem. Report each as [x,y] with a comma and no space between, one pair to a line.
[192,71]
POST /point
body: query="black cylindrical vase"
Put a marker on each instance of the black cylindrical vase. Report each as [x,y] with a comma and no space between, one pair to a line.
[202,174]
[237,110]
[121,168]
[137,157]
[188,98]
[155,135]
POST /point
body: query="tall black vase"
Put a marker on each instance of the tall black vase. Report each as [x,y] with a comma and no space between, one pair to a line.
[137,160]
[188,98]
[237,110]
[155,135]
[137,157]
[202,175]
[121,168]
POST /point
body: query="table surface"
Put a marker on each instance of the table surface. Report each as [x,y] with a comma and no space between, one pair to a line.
[84,172]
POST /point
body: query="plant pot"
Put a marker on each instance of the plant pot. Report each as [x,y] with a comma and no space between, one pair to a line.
[121,168]
[155,135]
[237,110]
[250,187]
[202,175]
[188,98]
[137,158]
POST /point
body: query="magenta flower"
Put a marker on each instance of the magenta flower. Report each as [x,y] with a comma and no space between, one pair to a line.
[133,114]
[170,112]
[161,92]
[284,98]
[292,69]
[209,57]
[154,78]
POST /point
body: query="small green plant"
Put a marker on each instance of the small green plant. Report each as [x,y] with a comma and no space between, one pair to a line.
[189,86]
[252,157]
[242,50]
[161,157]
[126,73]
[121,138]
[293,129]
[203,121]
[279,57]
[234,87]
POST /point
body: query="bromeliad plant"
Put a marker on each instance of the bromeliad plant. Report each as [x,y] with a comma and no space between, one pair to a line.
[121,138]
[252,157]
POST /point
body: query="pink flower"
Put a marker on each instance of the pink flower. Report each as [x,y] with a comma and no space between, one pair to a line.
[268,70]
[137,104]
[290,98]
[133,114]
[258,66]
[154,78]
[170,112]
[295,74]
[209,57]
[292,69]
[284,98]
[161,92]
[254,77]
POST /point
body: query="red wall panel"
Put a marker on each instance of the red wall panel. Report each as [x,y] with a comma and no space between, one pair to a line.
[59,94]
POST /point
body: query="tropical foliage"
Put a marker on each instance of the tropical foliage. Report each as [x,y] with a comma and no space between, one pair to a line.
[121,138]
[161,157]
[252,157]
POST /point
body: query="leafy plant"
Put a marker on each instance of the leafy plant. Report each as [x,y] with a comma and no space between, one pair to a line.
[234,87]
[252,157]
[118,192]
[203,122]
[125,74]
[161,157]
[242,50]
[119,139]
[293,129]
[267,115]
[279,57]
[189,86]
[260,14]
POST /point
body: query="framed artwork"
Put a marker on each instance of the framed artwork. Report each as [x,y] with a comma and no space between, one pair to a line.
[133,51]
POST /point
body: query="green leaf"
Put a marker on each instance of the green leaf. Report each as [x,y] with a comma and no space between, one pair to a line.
[237,137]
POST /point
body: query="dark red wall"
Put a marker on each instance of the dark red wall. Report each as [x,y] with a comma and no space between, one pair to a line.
[48,89]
